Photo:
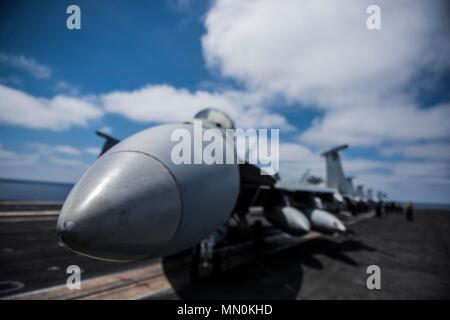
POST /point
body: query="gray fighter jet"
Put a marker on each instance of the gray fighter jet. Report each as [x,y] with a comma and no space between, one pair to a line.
[353,201]
[134,202]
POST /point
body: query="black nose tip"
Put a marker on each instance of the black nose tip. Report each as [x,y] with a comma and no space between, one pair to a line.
[68,232]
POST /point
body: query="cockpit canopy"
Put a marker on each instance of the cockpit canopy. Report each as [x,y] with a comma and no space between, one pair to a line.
[217,117]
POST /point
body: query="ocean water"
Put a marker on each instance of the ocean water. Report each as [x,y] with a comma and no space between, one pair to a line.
[440,206]
[11,189]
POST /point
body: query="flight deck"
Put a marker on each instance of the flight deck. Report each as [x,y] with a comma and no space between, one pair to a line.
[414,258]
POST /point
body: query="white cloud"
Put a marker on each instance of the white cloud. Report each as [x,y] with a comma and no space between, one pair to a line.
[106,129]
[45,162]
[408,188]
[64,150]
[317,48]
[7,155]
[11,158]
[436,151]
[92,151]
[14,80]
[357,166]
[67,162]
[68,150]
[296,159]
[39,71]
[153,103]
[429,171]
[320,54]
[164,103]
[58,113]
[374,125]
[62,86]
[365,84]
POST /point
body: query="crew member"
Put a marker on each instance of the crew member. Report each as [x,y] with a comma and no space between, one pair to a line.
[379,208]
[409,211]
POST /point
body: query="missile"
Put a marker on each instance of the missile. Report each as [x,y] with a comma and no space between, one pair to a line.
[325,222]
[288,219]
[134,202]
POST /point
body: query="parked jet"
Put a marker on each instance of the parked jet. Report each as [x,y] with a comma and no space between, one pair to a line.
[335,172]
[314,188]
[337,180]
[349,189]
[370,194]
[362,203]
[360,194]
[372,199]
[134,202]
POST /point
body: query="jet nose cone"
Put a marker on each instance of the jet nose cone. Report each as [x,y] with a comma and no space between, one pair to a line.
[127,206]
[68,231]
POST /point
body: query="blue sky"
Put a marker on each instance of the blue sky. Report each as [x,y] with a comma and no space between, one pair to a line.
[318,75]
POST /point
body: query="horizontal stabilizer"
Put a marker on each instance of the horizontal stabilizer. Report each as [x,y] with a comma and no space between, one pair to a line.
[335,150]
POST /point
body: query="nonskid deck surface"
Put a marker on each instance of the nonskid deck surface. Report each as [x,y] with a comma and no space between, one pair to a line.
[414,258]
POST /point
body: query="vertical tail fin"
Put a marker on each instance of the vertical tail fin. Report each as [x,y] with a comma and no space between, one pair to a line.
[349,189]
[360,191]
[370,194]
[335,173]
